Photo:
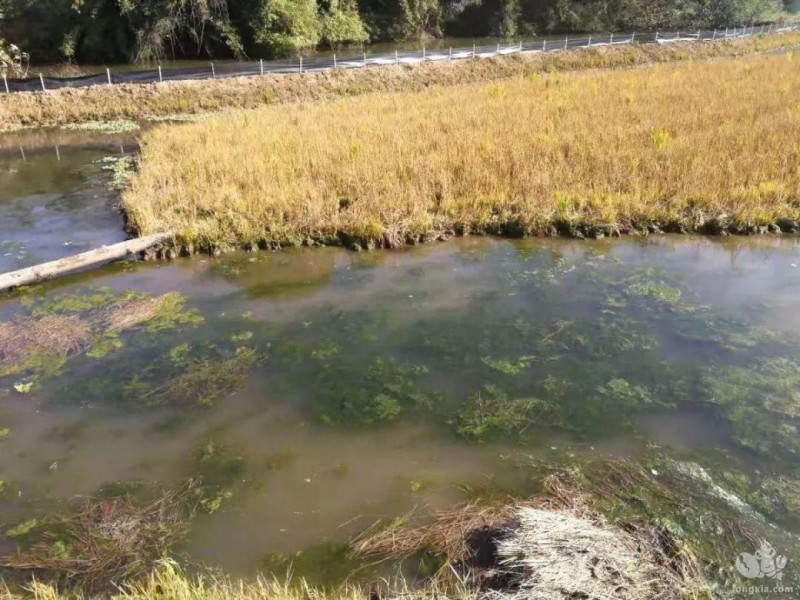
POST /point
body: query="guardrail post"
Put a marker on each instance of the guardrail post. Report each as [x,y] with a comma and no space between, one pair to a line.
[5,82]
[301,64]
[213,71]
[473,49]
[334,60]
[41,80]
[633,37]
[713,37]
[611,40]
[520,45]
[698,34]
[396,58]
[424,53]
[544,45]
[261,65]
[566,42]
[365,59]
[498,47]
[450,54]
[160,75]
[108,74]
[726,33]
[656,36]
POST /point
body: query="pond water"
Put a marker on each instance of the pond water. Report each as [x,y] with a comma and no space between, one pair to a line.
[314,391]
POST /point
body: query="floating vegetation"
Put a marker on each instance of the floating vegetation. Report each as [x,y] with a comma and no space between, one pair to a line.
[122,169]
[204,382]
[62,326]
[761,402]
[492,414]
[619,396]
[506,366]
[104,541]
[603,336]
[218,472]
[380,394]
[119,126]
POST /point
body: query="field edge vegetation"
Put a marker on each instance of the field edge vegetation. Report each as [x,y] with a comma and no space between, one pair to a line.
[168,99]
[589,154]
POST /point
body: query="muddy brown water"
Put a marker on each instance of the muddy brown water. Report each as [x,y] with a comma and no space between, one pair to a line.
[361,405]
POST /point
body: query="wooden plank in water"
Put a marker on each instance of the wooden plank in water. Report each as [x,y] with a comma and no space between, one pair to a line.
[70,264]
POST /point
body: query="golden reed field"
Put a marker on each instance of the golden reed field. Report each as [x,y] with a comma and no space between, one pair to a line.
[129,101]
[692,146]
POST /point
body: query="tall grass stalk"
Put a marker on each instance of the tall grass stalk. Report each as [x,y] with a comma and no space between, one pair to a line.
[169,582]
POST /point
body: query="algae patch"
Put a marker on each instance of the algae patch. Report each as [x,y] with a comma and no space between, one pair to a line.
[38,343]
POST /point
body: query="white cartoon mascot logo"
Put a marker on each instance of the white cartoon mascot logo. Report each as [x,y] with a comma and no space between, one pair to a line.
[764,563]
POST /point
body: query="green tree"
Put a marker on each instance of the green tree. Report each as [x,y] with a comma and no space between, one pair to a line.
[342,24]
[418,19]
[288,26]
[179,27]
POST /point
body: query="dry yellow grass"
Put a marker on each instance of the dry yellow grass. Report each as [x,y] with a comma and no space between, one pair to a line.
[104,103]
[667,144]
[169,582]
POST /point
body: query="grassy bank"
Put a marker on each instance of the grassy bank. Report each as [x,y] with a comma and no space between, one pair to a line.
[707,146]
[192,97]
[556,544]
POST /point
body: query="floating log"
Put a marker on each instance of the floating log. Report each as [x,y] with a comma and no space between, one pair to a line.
[70,264]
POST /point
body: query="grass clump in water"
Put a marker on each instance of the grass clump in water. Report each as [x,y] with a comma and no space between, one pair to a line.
[491,414]
[104,541]
[57,328]
[496,158]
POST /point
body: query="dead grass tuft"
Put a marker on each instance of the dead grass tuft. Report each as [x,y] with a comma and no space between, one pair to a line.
[450,535]
[59,335]
[132,312]
[107,541]
[553,546]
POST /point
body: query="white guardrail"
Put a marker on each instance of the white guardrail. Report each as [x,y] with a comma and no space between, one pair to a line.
[317,64]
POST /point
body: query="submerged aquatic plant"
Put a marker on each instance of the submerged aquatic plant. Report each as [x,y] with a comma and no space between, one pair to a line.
[122,169]
[761,402]
[104,541]
[217,471]
[491,414]
[62,326]
[379,394]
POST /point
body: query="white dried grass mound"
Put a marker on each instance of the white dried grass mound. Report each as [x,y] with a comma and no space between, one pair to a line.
[555,555]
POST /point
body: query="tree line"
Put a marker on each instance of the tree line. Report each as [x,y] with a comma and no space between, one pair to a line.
[90,31]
